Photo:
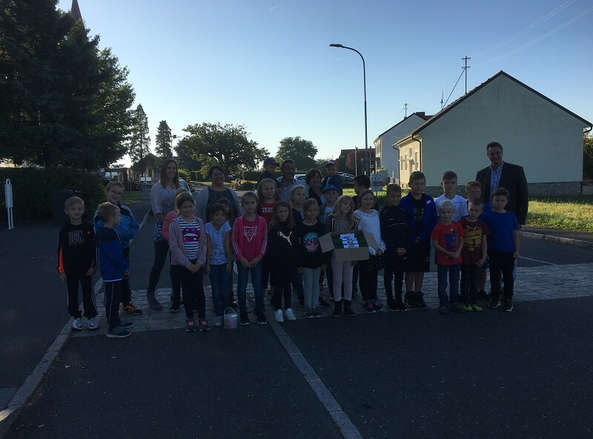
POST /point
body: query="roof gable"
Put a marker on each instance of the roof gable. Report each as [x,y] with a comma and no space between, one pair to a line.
[481,86]
[419,114]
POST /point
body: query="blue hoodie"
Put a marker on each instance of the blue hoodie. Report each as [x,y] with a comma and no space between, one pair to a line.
[127,228]
[429,219]
[111,255]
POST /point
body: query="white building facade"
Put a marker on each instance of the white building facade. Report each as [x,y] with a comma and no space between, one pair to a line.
[387,157]
[535,132]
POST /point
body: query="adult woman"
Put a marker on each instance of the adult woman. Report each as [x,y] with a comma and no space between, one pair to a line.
[162,199]
[207,197]
[313,179]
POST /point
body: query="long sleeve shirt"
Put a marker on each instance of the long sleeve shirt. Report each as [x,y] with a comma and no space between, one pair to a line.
[187,239]
[126,229]
[76,248]
[111,255]
[250,238]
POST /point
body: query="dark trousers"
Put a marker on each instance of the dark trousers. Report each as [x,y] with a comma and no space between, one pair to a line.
[112,301]
[501,263]
[391,274]
[470,278]
[161,248]
[126,292]
[367,279]
[330,280]
[297,284]
[354,278]
[175,286]
[452,271]
[193,291]
[88,298]
[281,290]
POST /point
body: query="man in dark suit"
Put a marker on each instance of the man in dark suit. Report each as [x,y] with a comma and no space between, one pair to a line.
[508,176]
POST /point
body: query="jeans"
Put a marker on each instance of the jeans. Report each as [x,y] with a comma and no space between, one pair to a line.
[505,263]
[470,278]
[161,248]
[220,290]
[453,272]
[193,291]
[311,287]
[342,279]
[256,282]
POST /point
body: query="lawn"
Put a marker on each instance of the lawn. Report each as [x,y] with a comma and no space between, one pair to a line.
[567,213]
[131,197]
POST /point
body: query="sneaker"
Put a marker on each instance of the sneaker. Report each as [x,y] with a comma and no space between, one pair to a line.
[317,313]
[125,324]
[309,315]
[377,306]
[93,324]
[203,325]
[289,314]
[508,306]
[337,308]
[153,303]
[369,307]
[131,309]
[392,304]
[468,308]
[174,308]
[77,324]
[348,308]
[244,320]
[218,321]
[261,319]
[279,316]
[118,333]
[400,306]
[476,308]
[443,309]
[494,303]
[190,326]
[421,303]
[323,302]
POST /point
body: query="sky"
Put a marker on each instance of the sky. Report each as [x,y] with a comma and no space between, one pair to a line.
[267,64]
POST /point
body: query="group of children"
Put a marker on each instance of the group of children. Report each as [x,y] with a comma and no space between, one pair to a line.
[278,242]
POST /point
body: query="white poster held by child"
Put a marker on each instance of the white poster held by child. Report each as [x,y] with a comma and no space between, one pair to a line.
[9,203]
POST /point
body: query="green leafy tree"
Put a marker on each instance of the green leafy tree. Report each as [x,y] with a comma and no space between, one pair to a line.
[139,140]
[300,150]
[164,140]
[185,157]
[588,157]
[225,145]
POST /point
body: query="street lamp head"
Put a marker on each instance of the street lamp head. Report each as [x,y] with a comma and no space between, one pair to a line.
[335,45]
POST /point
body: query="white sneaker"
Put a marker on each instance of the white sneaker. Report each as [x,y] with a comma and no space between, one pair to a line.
[77,324]
[92,324]
[289,314]
[278,315]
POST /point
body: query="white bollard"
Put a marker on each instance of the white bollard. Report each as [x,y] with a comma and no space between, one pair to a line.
[9,203]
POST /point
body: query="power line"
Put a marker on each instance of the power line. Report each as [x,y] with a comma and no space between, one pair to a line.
[456,82]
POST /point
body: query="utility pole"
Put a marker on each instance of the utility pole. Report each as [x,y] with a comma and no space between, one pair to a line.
[465,67]
[405,110]
[442,98]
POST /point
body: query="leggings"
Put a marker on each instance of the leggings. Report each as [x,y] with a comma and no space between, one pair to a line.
[161,248]
[193,291]
[342,275]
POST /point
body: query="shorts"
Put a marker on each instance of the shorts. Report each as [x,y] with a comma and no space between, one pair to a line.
[419,258]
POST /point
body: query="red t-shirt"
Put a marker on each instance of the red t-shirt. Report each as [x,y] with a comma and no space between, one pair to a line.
[448,237]
[473,236]
[267,211]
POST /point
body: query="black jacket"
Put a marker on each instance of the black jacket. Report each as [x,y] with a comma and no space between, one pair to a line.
[282,254]
[76,248]
[512,179]
[395,229]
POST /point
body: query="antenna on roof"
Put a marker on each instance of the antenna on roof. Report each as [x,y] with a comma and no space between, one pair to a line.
[442,98]
[405,110]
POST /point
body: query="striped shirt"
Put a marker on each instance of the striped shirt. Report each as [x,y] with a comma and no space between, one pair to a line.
[191,237]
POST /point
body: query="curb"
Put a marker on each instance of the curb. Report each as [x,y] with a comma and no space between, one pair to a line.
[26,390]
[558,239]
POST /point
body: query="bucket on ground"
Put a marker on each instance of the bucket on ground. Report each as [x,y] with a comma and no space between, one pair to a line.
[231,318]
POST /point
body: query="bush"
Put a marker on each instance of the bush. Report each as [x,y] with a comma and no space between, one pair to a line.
[247,186]
[37,192]
[184,174]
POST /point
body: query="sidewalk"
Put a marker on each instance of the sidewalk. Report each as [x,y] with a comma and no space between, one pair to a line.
[581,239]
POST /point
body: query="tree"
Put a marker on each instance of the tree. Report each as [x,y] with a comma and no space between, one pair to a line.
[139,140]
[224,145]
[300,150]
[588,157]
[185,157]
[164,140]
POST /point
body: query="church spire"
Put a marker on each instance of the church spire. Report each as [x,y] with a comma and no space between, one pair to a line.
[75,11]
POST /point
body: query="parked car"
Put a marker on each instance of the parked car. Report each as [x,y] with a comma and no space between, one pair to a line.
[300,178]
[185,185]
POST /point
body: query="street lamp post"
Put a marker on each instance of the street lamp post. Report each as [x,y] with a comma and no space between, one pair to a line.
[364,86]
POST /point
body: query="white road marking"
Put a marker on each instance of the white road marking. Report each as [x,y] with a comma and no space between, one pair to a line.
[339,416]
[536,260]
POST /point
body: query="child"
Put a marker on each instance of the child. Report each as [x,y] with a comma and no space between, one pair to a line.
[220,261]
[114,268]
[503,248]
[76,262]
[447,239]
[331,194]
[342,220]
[267,196]
[283,256]
[311,259]
[297,201]
[422,217]
[188,244]
[332,178]
[250,239]
[473,191]
[368,270]
[473,255]
[449,185]
[270,166]
[362,183]
[395,232]
[126,231]
[228,210]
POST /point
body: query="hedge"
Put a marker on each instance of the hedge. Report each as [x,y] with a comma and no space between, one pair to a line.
[38,193]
